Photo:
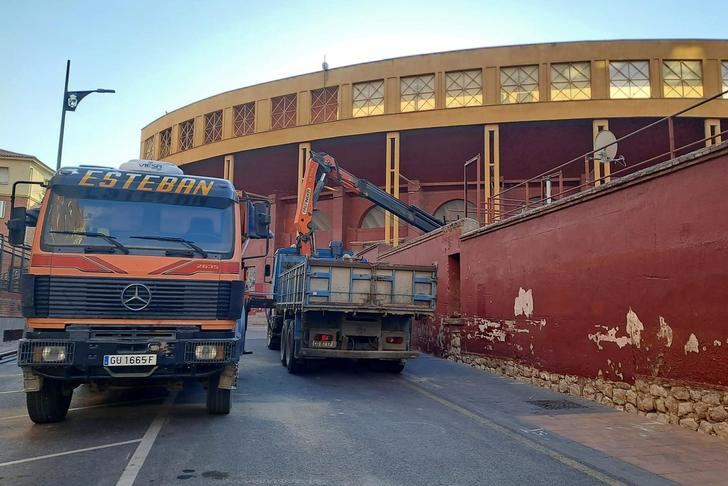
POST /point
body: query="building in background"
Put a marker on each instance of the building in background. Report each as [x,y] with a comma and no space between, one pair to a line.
[20,167]
[409,124]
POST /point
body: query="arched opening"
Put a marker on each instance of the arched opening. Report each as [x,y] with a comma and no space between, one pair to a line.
[454,210]
[374,218]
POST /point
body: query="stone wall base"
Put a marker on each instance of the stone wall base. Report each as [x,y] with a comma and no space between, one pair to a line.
[690,406]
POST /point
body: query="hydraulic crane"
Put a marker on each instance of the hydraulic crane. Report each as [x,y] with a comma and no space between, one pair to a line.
[321,169]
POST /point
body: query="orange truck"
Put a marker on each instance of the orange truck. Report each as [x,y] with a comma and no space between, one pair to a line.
[136,277]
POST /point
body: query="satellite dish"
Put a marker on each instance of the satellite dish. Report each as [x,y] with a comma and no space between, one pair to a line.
[602,148]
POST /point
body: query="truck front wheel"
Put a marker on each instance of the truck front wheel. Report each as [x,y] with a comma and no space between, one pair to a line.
[50,404]
[219,400]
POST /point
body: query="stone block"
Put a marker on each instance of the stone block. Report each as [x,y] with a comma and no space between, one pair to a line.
[622,385]
[631,396]
[663,418]
[671,405]
[705,427]
[717,414]
[646,403]
[563,386]
[680,392]
[660,405]
[658,391]
[628,407]
[619,396]
[575,389]
[711,398]
[701,409]
[689,423]
[684,409]
[695,395]
[721,430]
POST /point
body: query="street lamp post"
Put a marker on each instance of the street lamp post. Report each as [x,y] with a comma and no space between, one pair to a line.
[71,99]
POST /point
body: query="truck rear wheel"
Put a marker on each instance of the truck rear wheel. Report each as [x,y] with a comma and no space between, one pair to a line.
[293,365]
[392,366]
[219,400]
[272,341]
[50,404]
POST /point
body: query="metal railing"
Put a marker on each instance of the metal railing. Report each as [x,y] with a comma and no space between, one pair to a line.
[13,264]
[508,202]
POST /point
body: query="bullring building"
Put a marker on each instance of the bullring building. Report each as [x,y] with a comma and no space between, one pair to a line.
[410,125]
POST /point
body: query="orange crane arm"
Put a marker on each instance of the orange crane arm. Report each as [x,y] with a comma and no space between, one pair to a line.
[322,168]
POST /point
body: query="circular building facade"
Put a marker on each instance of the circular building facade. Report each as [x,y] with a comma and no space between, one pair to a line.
[410,124]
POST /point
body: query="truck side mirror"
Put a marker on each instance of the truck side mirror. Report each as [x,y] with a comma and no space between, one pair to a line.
[31,217]
[258,220]
[16,226]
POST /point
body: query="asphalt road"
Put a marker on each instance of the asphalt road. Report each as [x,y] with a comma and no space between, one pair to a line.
[437,423]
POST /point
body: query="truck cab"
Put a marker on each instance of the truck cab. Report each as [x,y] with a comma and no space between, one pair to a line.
[135,277]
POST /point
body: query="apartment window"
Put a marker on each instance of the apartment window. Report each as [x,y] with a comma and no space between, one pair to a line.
[324,104]
[571,81]
[519,84]
[165,143]
[186,134]
[244,119]
[2,209]
[463,88]
[417,93]
[148,151]
[724,70]
[213,126]
[283,111]
[4,175]
[368,98]
[682,79]
[629,79]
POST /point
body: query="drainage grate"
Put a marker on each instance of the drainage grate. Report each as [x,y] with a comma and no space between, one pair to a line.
[555,404]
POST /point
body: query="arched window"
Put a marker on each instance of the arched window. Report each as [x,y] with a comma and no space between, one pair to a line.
[374,218]
[453,210]
[321,221]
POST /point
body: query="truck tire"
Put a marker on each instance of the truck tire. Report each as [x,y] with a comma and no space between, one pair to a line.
[293,365]
[283,345]
[50,404]
[219,400]
[272,341]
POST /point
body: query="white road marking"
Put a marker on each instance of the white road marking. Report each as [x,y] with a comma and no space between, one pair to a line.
[9,376]
[145,446]
[13,391]
[66,453]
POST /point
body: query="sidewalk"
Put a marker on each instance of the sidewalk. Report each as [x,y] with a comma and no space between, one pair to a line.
[588,432]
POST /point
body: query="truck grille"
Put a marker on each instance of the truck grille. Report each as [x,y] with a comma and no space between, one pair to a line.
[102,298]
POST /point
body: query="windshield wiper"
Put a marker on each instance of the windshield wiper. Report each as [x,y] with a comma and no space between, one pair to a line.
[189,243]
[94,234]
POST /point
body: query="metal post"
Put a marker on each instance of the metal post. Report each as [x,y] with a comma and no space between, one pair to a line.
[63,116]
[671,133]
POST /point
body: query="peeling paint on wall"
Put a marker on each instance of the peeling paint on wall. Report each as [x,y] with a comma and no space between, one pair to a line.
[634,328]
[692,345]
[665,332]
[717,343]
[523,304]
[609,337]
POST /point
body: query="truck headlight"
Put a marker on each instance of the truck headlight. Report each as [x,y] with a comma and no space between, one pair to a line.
[53,354]
[206,352]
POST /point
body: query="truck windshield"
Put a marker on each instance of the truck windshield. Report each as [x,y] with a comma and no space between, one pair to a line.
[90,224]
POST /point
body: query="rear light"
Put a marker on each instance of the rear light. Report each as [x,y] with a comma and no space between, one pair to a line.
[393,340]
[324,337]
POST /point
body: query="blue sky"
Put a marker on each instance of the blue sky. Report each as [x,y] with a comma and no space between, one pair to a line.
[160,55]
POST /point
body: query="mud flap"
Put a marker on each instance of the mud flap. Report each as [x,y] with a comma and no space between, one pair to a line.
[229,377]
[31,381]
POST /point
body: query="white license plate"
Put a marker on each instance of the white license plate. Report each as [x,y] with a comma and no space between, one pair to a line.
[324,344]
[130,359]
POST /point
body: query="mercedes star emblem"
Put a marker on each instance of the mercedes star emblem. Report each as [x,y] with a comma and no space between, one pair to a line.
[136,296]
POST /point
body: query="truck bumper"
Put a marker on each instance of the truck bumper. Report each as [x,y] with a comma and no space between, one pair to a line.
[82,359]
[340,353]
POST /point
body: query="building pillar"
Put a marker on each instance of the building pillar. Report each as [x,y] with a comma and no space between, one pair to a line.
[712,130]
[599,80]
[227,123]
[656,79]
[391,186]
[491,85]
[174,139]
[391,95]
[262,115]
[228,169]
[198,137]
[303,108]
[492,172]
[598,126]
[304,153]
[345,101]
